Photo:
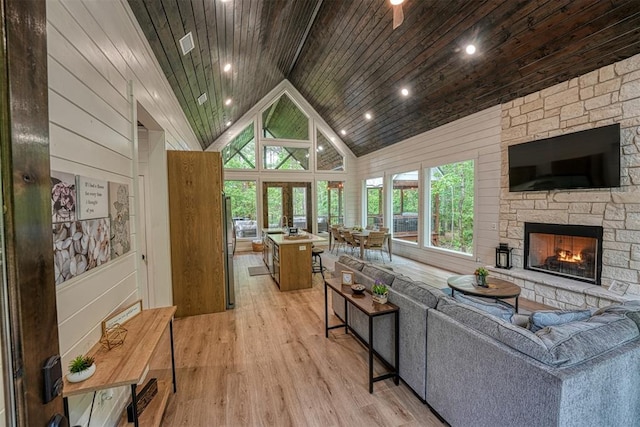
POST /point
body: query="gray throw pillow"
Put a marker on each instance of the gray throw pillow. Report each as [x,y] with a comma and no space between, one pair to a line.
[543,318]
[496,308]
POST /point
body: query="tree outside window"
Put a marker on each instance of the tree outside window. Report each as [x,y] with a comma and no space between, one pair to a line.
[240,153]
[405,201]
[452,206]
[243,206]
[374,190]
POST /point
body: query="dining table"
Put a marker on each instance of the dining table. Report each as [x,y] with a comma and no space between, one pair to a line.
[361,236]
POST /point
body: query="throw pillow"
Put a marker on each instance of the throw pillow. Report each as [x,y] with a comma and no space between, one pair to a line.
[543,318]
[496,308]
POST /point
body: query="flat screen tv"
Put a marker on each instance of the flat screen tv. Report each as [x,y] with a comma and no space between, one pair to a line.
[585,159]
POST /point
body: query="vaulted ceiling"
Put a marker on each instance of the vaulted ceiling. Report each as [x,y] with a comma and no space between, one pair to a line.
[344,57]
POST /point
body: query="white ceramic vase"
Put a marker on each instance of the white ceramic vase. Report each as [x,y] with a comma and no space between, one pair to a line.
[76,377]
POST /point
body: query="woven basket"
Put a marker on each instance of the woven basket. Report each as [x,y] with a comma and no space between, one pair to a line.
[257,246]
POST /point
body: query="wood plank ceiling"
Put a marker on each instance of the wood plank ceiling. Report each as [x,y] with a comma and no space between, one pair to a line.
[346,59]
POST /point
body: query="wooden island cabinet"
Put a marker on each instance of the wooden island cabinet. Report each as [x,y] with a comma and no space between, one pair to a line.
[289,259]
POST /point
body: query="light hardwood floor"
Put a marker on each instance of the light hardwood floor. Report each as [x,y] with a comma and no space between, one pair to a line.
[268,363]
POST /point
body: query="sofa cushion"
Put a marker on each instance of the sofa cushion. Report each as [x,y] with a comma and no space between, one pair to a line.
[417,291]
[543,318]
[354,263]
[377,273]
[514,336]
[575,342]
[630,309]
[496,308]
[559,345]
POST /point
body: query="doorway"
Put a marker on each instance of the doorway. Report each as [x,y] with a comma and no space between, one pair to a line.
[287,200]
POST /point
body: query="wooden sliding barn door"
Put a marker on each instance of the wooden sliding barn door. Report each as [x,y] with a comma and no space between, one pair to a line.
[196,222]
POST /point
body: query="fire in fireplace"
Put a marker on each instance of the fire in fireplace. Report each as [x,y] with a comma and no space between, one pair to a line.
[573,251]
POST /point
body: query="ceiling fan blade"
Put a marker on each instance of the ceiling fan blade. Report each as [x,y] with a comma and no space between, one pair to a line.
[398,16]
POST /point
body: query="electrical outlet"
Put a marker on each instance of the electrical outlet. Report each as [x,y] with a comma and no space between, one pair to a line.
[302,248]
[494,226]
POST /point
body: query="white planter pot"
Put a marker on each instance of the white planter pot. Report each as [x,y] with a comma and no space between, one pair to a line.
[76,377]
[380,299]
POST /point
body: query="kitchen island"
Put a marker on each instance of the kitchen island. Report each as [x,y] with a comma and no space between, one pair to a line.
[289,258]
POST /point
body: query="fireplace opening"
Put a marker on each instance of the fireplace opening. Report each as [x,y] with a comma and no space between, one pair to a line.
[573,251]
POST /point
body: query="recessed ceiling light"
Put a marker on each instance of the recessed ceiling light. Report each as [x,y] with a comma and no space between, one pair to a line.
[202,98]
[228,123]
[227,102]
[470,49]
[227,68]
[404,91]
[396,2]
[320,148]
[368,116]
[344,132]
[186,43]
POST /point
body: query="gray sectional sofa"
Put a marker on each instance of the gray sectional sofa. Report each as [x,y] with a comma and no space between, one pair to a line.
[478,369]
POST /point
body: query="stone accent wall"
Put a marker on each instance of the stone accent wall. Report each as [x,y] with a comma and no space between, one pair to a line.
[602,97]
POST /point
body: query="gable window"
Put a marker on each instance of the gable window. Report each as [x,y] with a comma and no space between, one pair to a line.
[327,157]
[278,157]
[452,206]
[240,153]
[284,120]
[405,199]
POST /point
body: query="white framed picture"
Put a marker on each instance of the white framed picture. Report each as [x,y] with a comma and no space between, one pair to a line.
[347,278]
[618,288]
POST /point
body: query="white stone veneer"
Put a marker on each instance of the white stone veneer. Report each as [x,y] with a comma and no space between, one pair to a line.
[602,97]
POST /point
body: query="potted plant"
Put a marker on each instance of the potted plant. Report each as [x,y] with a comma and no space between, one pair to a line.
[380,293]
[81,368]
[481,274]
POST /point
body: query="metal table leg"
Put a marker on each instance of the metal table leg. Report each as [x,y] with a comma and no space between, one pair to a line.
[397,348]
[134,404]
[326,313]
[173,357]
[370,354]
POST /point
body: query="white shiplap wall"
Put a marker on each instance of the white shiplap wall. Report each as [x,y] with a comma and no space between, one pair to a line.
[99,66]
[474,137]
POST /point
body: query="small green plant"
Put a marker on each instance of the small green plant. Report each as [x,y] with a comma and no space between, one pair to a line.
[379,288]
[481,271]
[80,364]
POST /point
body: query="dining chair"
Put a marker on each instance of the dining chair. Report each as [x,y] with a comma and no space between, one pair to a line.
[339,241]
[375,241]
[350,240]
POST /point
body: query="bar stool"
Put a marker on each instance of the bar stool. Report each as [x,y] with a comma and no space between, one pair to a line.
[316,261]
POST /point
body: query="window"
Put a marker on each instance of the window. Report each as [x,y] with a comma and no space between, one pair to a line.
[327,157]
[240,153]
[284,120]
[330,204]
[243,207]
[300,207]
[452,200]
[286,158]
[406,199]
[374,200]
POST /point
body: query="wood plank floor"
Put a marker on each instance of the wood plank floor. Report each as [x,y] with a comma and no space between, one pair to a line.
[267,362]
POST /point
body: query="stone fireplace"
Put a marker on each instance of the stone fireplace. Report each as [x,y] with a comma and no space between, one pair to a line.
[572,251]
[602,97]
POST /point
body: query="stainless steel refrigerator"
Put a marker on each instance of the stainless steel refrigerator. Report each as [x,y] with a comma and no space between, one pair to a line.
[229,248]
